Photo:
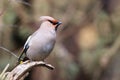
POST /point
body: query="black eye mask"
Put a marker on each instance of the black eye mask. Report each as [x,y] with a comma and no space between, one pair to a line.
[54,23]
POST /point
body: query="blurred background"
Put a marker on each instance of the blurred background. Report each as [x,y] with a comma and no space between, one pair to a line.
[88,42]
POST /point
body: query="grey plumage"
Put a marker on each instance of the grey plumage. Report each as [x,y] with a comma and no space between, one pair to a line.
[39,45]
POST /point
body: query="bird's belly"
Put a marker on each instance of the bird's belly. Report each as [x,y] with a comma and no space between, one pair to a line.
[39,52]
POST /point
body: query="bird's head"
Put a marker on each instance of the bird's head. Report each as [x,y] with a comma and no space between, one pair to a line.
[51,20]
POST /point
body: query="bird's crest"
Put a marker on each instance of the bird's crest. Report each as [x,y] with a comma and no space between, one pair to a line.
[48,18]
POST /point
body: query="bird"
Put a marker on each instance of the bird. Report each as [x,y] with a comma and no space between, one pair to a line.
[40,44]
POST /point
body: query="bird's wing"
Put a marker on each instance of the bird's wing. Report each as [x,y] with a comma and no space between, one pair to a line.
[26,46]
[27,43]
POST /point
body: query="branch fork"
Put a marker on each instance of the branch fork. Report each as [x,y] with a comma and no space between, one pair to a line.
[21,70]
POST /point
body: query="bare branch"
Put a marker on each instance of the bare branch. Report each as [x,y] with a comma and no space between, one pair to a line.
[5,49]
[3,74]
[22,69]
[110,52]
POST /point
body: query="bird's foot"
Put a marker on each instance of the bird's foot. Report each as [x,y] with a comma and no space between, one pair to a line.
[27,61]
[21,62]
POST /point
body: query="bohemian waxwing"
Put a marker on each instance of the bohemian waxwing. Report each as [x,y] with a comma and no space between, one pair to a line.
[39,45]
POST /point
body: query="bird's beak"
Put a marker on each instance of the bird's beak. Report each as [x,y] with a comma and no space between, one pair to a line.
[58,23]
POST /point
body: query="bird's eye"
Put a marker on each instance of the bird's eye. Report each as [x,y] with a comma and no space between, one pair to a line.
[53,22]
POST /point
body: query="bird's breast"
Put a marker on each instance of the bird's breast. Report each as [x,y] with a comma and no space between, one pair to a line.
[40,48]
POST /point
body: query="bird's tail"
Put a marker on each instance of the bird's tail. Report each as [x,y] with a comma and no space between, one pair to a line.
[21,59]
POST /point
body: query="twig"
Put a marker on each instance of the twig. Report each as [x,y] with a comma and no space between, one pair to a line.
[5,49]
[3,74]
[110,52]
[22,69]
